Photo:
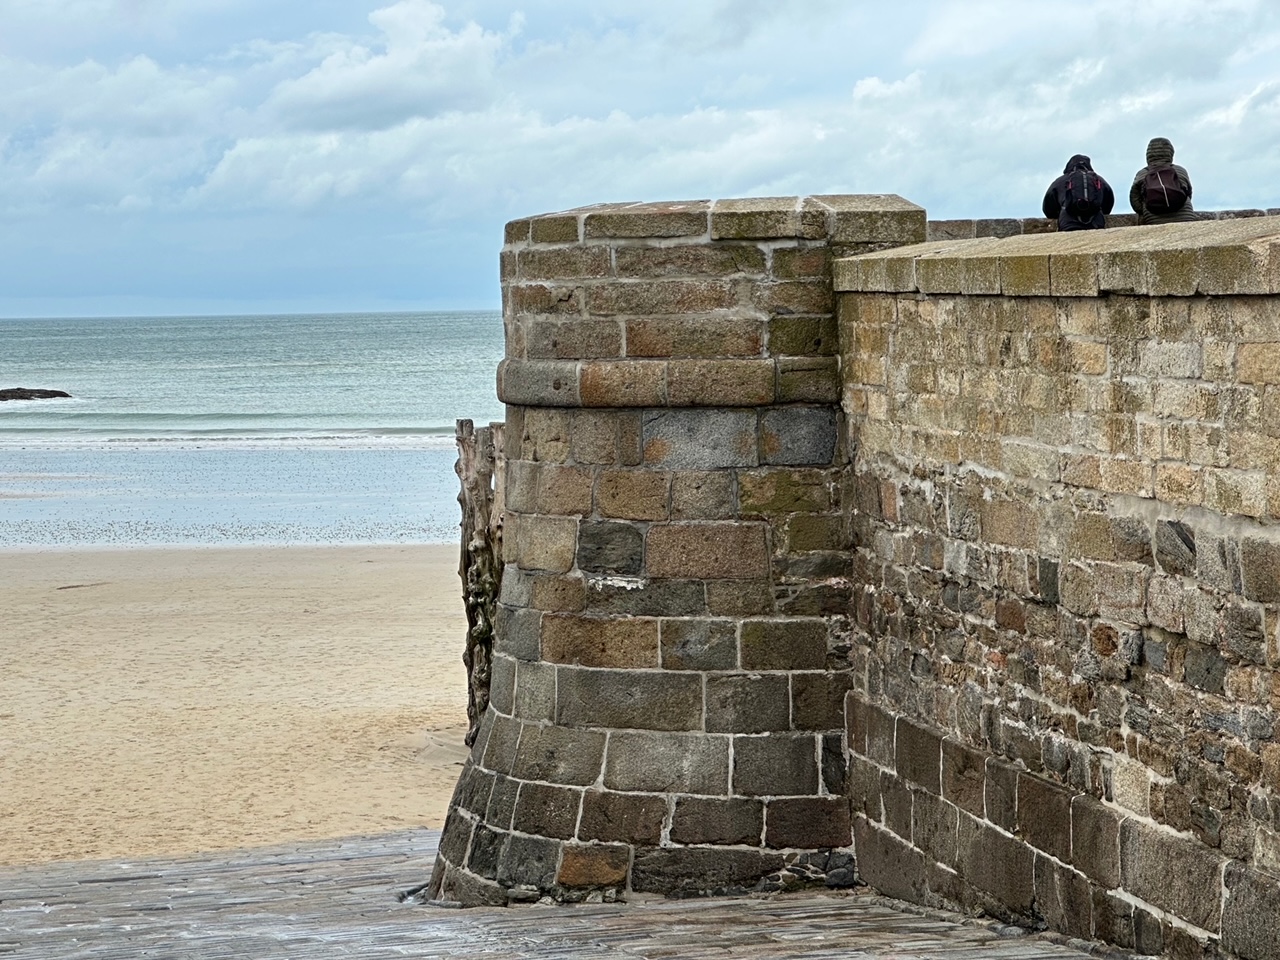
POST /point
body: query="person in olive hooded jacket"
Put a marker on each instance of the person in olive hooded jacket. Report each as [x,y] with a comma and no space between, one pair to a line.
[1160,154]
[1056,201]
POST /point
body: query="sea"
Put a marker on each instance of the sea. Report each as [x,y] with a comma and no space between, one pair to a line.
[291,429]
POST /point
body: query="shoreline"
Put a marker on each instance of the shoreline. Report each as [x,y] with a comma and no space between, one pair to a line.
[172,700]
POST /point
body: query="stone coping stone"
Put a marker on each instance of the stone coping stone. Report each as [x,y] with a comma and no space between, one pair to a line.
[842,218]
[1208,257]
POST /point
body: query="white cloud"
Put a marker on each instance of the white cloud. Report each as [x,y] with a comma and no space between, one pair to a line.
[466,112]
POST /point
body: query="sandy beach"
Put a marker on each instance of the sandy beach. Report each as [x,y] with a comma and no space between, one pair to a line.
[170,701]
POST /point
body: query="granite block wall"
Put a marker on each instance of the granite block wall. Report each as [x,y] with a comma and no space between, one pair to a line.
[835,556]
[672,638]
[1064,486]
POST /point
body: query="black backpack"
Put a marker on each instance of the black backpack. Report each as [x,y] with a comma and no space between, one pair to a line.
[1083,194]
[1162,192]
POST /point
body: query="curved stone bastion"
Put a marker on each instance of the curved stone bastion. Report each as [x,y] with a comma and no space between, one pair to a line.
[832,556]
[672,647]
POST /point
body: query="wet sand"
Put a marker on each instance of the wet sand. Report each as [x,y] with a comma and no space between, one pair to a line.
[171,701]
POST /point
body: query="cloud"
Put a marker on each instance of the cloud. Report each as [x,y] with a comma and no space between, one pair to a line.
[459,114]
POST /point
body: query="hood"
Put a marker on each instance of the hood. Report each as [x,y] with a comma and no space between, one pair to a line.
[1159,150]
[1078,162]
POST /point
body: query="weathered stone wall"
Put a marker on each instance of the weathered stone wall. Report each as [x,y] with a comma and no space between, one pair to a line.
[951,568]
[971,229]
[671,657]
[1064,494]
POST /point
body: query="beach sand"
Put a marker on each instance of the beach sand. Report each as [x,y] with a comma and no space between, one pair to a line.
[171,701]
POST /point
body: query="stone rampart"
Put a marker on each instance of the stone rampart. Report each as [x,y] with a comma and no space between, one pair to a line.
[1067,580]
[671,654]
[834,556]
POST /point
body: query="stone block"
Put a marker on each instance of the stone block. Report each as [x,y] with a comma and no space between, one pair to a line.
[774,492]
[1024,276]
[622,817]
[626,699]
[712,551]
[517,633]
[998,865]
[747,703]
[788,297]
[502,684]
[547,811]
[835,765]
[935,826]
[896,802]
[1011,523]
[1001,795]
[702,495]
[1064,899]
[1095,841]
[775,765]
[622,643]
[1175,547]
[516,232]
[502,802]
[456,838]
[740,598]
[1260,569]
[594,438]
[817,699]
[538,383]
[665,337]
[1044,815]
[1112,919]
[800,263]
[549,338]
[700,820]
[622,383]
[803,336]
[700,871]
[699,439]
[668,763]
[633,494]
[638,597]
[721,383]
[558,755]
[765,218]
[534,299]
[571,263]
[542,435]
[799,644]
[660,297]
[535,693]
[593,866]
[809,532]
[546,543]
[964,777]
[808,823]
[699,644]
[487,850]
[563,491]
[1251,914]
[647,220]
[1173,873]
[610,547]
[531,861]
[798,436]
[689,261]
[556,594]
[887,864]
[881,736]
[555,228]
[918,755]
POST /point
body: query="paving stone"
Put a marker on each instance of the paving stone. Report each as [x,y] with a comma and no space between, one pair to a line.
[341,898]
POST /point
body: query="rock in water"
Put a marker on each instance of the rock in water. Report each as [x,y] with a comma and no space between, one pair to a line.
[22,393]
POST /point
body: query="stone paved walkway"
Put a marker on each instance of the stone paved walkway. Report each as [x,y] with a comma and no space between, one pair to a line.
[340,899]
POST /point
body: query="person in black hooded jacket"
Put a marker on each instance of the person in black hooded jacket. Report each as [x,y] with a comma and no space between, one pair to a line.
[1079,213]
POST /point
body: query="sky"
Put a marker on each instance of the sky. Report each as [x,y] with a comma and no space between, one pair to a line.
[259,156]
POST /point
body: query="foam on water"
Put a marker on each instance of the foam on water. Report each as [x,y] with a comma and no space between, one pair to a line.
[334,429]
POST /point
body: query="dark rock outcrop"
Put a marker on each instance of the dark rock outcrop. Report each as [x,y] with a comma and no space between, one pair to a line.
[22,393]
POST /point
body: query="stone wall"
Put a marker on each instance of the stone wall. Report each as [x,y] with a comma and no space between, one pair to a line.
[671,655]
[971,229]
[1068,580]
[950,568]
